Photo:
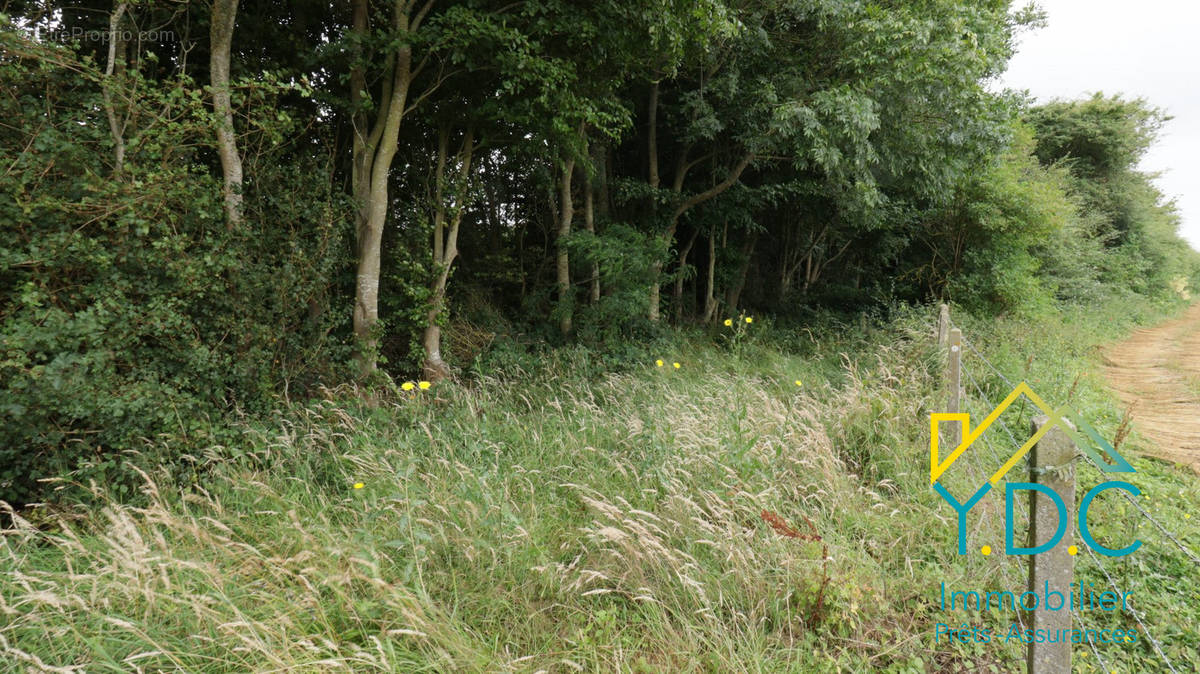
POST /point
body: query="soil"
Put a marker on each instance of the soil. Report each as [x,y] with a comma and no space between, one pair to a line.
[1157,372]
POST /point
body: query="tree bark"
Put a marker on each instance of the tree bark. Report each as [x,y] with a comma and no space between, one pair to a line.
[678,294]
[566,215]
[374,148]
[652,137]
[589,224]
[687,204]
[734,295]
[794,260]
[817,263]
[603,172]
[710,300]
[116,127]
[224,15]
[445,248]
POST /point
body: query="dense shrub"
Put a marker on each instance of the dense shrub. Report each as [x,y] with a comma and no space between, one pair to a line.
[129,310]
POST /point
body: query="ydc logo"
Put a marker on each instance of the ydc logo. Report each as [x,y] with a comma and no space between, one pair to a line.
[1056,419]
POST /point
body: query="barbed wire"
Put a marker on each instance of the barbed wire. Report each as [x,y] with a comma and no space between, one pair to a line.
[1091,644]
[1099,563]
[982,357]
[1136,614]
[1145,513]
[995,370]
[983,396]
[1008,563]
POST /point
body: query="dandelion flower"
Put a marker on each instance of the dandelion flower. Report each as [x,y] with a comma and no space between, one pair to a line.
[658,362]
[408,386]
[728,322]
[358,485]
[749,319]
[424,385]
[799,383]
[675,365]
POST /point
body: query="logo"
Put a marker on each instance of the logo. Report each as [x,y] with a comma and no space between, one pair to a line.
[1085,437]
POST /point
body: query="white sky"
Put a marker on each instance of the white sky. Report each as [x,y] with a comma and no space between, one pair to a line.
[1146,49]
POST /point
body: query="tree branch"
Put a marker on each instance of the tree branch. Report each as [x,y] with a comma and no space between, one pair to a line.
[734,174]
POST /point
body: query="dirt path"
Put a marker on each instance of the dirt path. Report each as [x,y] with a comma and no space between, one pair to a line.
[1157,370]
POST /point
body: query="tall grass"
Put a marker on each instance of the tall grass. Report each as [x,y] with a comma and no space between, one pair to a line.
[717,517]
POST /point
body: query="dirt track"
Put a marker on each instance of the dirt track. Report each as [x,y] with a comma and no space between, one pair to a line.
[1157,370]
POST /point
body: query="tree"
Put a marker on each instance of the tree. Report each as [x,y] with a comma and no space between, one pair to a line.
[374,146]
[1100,141]
[224,16]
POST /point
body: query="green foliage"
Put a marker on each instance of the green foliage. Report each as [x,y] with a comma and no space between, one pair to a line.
[1004,218]
[599,511]
[1100,137]
[835,155]
[1062,215]
[625,257]
[1100,141]
[130,312]
[544,503]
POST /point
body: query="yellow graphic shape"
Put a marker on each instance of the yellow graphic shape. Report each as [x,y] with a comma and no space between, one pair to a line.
[969,436]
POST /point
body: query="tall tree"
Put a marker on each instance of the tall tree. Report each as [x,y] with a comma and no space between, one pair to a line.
[450,204]
[374,147]
[224,16]
[115,63]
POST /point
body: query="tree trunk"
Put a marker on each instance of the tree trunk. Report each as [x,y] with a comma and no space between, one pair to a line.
[603,172]
[589,224]
[566,215]
[652,138]
[734,295]
[116,127]
[362,130]
[445,248]
[817,263]
[710,300]
[789,252]
[691,202]
[224,15]
[678,295]
[654,180]
[374,149]
[655,271]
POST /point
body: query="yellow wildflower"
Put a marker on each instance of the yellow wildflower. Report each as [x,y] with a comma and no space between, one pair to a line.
[424,385]
[675,365]
[407,386]
[358,485]
[658,362]
[728,322]
[749,319]
[799,383]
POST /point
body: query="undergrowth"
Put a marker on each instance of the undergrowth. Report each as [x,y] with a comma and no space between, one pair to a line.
[763,507]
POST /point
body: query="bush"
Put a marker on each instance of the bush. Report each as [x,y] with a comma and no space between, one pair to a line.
[129,311]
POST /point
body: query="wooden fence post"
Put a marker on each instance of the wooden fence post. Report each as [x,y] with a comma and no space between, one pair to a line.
[954,377]
[943,333]
[1051,464]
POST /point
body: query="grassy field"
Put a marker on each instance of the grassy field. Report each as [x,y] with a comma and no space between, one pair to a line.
[764,507]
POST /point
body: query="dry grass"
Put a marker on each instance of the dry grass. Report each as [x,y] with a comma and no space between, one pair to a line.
[556,525]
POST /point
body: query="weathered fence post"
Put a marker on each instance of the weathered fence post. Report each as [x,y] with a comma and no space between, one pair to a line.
[943,333]
[1051,465]
[954,377]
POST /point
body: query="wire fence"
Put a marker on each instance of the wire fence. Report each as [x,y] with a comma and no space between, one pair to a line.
[976,395]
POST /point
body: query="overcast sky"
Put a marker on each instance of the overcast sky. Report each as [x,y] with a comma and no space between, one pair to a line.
[1145,49]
